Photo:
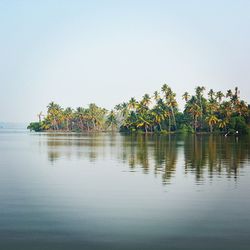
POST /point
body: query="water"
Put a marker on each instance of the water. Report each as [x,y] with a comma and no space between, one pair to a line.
[112,191]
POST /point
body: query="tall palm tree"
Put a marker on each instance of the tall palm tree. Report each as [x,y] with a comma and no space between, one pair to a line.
[194,110]
[199,94]
[170,100]
[173,105]
[40,115]
[68,115]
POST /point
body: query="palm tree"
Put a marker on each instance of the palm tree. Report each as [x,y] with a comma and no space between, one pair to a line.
[194,109]
[211,120]
[219,96]
[80,115]
[164,88]
[199,94]
[186,96]
[40,116]
[223,123]
[143,121]
[173,105]
[54,113]
[229,93]
[111,120]
[170,100]
[211,94]
[241,108]
[158,116]
[235,97]
[132,104]
[156,96]
[68,115]
[146,100]
[212,107]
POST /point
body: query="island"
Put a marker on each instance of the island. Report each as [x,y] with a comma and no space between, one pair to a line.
[214,112]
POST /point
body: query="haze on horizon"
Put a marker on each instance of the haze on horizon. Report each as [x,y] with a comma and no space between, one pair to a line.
[79,52]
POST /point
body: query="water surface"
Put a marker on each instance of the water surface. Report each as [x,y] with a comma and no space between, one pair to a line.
[113,191]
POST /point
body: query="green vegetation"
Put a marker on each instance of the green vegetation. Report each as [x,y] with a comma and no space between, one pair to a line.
[159,113]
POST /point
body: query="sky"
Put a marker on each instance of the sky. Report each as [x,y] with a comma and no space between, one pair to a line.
[78,52]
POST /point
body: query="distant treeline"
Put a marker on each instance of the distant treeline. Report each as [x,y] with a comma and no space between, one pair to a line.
[211,112]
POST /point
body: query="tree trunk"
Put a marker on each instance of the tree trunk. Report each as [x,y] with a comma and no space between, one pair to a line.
[195,124]
[67,125]
[201,112]
[169,124]
[81,124]
[159,126]
[172,110]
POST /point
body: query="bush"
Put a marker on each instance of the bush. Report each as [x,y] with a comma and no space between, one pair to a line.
[239,124]
[185,129]
[35,126]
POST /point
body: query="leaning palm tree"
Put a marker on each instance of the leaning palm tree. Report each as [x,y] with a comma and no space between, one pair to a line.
[158,116]
[143,121]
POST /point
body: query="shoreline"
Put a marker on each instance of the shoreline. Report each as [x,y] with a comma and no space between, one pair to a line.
[225,133]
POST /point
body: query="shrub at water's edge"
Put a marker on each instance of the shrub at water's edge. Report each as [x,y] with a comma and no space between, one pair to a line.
[214,113]
[35,126]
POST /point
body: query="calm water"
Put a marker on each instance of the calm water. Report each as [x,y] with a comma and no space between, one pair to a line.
[104,191]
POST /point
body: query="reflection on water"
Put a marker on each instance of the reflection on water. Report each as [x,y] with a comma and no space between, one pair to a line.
[104,191]
[201,155]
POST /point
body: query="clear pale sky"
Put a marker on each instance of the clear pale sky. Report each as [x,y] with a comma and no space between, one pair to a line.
[78,52]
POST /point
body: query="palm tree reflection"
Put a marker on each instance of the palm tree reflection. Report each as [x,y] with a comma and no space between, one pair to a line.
[201,155]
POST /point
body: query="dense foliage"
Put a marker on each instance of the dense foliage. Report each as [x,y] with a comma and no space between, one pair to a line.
[217,112]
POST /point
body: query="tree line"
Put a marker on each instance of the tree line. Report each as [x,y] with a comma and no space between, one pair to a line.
[203,112]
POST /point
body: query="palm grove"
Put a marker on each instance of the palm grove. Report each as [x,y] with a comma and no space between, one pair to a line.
[203,112]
